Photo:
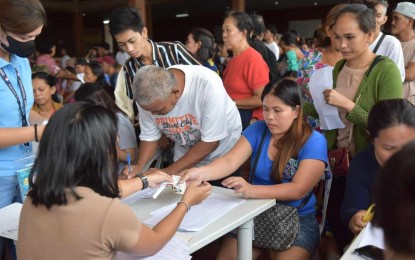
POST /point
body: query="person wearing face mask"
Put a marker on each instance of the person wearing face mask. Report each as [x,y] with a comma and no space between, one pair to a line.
[20,22]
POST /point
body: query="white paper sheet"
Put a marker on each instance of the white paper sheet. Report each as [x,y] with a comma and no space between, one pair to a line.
[372,236]
[9,220]
[142,194]
[200,215]
[176,248]
[321,80]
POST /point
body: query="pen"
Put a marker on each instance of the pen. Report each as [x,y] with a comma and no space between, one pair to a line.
[129,162]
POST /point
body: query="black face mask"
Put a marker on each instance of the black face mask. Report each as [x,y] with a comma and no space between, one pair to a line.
[21,49]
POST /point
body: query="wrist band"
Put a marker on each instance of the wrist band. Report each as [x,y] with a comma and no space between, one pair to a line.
[185,203]
[144,180]
[36,137]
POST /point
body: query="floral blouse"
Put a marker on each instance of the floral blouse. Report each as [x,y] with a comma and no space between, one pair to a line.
[308,65]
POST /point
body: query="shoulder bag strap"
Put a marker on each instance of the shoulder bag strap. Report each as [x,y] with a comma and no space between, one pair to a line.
[251,179]
[379,43]
[305,200]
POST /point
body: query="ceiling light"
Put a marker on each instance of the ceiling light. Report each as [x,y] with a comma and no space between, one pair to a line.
[315,3]
[276,3]
[182,15]
[106,21]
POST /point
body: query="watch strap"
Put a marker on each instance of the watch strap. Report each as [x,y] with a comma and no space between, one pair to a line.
[144,180]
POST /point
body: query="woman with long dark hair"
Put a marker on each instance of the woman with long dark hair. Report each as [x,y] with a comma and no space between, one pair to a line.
[290,163]
[72,205]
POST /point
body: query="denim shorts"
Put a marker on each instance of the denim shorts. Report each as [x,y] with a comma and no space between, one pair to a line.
[309,235]
[307,238]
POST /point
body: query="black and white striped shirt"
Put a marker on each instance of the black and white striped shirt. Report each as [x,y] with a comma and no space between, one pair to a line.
[165,54]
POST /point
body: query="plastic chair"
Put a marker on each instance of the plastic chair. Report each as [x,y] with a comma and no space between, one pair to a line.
[322,191]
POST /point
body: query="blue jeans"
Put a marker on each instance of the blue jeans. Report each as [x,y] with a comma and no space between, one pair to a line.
[9,193]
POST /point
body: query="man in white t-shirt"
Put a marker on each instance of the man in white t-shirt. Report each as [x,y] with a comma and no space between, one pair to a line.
[269,36]
[403,28]
[189,104]
[386,45]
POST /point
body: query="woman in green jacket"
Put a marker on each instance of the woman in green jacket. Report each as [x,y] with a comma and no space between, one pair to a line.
[360,80]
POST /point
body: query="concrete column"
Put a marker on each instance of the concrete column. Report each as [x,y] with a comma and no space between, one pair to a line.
[144,8]
[238,5]
[78,30]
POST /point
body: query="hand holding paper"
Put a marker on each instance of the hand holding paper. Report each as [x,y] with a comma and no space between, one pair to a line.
[328,115]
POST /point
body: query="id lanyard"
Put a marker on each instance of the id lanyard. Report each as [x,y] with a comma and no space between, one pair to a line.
[22,105]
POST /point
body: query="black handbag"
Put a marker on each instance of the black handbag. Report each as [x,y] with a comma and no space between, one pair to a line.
[277,227]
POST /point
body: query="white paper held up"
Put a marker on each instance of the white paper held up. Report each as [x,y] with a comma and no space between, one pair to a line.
[321,80]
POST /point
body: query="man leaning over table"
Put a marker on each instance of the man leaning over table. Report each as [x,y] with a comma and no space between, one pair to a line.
[190,106]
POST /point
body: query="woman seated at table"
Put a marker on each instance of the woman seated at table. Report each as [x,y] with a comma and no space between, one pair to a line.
[391,124]
[394,197]
[72,210]
[291,162]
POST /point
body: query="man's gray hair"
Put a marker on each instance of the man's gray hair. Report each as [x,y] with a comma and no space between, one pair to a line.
[152,83]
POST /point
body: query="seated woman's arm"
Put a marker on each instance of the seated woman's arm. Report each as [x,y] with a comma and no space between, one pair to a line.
[222,166]
[308,174]
[152,240]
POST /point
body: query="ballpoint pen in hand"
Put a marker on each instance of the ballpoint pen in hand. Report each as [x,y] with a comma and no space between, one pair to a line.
[129,162]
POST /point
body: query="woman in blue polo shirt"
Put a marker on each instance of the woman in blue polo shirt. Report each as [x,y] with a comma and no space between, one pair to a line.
[20,22]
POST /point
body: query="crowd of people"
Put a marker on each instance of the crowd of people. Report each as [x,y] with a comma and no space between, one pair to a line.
[214,106]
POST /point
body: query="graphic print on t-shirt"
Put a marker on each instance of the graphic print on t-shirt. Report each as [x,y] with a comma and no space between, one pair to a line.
[183,130]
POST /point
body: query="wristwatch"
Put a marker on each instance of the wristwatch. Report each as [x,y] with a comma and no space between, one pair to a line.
[144,180]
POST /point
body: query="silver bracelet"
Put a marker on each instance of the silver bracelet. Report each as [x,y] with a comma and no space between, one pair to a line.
[185,203]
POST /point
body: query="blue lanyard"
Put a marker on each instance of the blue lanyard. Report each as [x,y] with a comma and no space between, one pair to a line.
[22,106]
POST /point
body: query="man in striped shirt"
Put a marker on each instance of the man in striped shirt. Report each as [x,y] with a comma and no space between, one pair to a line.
[131,35]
